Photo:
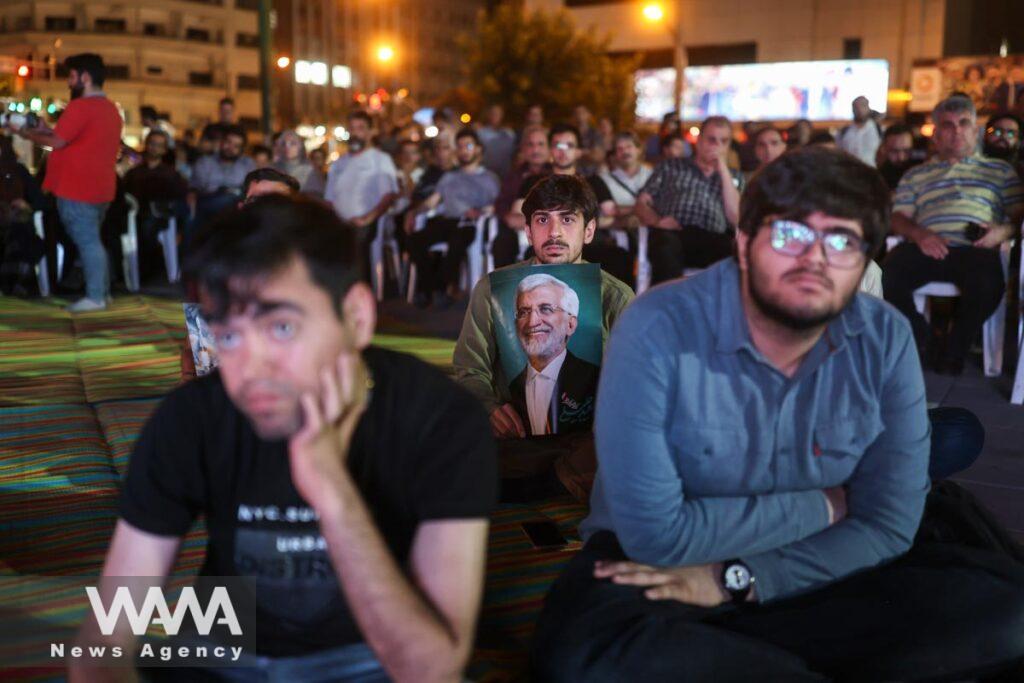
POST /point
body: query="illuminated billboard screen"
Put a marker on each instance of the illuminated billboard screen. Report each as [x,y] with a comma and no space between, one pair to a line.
[819,91]
[655,90]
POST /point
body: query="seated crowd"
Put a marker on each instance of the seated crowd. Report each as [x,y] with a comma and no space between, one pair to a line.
[752,436]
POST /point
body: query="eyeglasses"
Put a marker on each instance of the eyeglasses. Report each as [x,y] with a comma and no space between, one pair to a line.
[544,311]
[1007,133]
[843,248]
[565,146]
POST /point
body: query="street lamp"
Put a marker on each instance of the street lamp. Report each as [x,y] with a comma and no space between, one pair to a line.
[283,62]
[385,53]
[653,12]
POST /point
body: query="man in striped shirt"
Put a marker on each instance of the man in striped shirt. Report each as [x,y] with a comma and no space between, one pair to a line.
[953,213]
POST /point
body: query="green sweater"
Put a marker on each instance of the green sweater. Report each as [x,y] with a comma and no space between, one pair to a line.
[476,353]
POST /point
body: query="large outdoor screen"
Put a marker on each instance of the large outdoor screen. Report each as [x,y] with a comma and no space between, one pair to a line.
[819,91]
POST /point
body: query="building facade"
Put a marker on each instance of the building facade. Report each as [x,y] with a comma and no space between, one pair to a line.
[737,31]
[339,50]
[180,57]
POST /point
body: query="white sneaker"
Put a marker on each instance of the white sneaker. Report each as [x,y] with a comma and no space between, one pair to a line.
[86,305]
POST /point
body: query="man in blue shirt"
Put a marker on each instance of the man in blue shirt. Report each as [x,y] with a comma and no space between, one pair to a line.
[763,443]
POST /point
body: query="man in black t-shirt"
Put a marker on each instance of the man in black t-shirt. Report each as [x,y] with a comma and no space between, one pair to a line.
[564,141]
[347,487]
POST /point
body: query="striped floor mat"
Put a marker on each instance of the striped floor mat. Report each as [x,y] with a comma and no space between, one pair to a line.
[74,395]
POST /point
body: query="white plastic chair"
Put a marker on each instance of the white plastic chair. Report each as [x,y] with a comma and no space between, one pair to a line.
[384,239]
[130,246]
[993,329]
[42,269]
[478,254]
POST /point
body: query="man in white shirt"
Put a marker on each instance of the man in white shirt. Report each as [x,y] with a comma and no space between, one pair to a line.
[546,314]
[862,137]
[363,184]
[628,176]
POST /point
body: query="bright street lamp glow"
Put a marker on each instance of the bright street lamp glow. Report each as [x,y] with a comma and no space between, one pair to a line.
[283,62]
[385,53]
[653,12]
[465,118]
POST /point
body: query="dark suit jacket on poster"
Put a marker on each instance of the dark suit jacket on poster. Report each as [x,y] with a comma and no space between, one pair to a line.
[572,401]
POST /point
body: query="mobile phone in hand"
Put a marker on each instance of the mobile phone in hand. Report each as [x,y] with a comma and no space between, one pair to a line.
[973,232]
[545,535]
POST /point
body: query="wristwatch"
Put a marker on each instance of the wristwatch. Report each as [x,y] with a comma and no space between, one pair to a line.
[737,579]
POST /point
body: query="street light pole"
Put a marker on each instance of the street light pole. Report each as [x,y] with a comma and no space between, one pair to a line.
[265,45]
[654,12]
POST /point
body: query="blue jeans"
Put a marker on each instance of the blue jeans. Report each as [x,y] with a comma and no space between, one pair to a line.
[957,439]
[354,663]
[82,223]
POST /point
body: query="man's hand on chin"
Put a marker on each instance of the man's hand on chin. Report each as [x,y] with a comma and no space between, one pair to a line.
[696,585]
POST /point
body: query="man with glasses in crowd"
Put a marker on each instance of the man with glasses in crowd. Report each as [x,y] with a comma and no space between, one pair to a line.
[954,212]
[762,444]
[1002,139]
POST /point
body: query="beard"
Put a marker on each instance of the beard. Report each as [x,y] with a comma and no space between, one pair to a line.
[77,91]
[795,318]
[546,348]
[356,145]
[999,152]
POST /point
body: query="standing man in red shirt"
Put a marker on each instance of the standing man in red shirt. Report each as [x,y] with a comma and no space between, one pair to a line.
[80,169]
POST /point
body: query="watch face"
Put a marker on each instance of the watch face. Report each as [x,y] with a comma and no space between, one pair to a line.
[737,577]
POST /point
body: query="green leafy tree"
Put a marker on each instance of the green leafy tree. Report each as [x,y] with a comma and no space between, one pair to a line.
[518,58]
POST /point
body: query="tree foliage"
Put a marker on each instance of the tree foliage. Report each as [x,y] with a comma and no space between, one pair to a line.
[518,58]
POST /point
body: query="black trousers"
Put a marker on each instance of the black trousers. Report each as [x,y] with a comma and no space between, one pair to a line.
[439,229]
[977,273]
[505,246]
[613,259]
[669,251]
[941,611]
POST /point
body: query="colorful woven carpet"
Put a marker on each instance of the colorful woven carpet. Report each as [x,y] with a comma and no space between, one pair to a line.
[74,395]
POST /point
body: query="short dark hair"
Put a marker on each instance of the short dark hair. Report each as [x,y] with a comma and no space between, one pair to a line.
[668,140]
[147,112]
[271,174]
[261,149]
[156,132]
[1005,115]
[468,132]
[716,121]
[226,100]
[361,116]
[627,136]
[558,192]
[237,131]
[821,137]
[767,129]
[263,237]
[560,128]
[897,129]
[810,179]
[89,63]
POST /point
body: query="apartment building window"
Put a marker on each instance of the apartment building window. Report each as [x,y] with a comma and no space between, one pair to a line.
[200,35]
[23,24]
[154,29]
[60,23]
[247,39]
[154,71]
[111,26]
[200,78]
[118,72]
[247,82]
[249,122]
[248,4]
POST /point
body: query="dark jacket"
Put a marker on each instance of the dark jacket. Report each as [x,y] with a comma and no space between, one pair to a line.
[572,401]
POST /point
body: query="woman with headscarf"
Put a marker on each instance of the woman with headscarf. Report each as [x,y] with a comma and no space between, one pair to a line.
[290,158]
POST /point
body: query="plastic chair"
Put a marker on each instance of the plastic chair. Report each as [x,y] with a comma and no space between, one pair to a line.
[384,239]
[476,258]
[42,269]
[993,329]
[130,246]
